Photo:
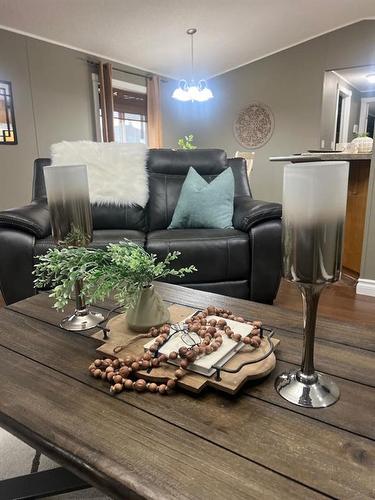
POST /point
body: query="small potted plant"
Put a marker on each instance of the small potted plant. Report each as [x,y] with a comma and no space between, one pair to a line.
[124,270]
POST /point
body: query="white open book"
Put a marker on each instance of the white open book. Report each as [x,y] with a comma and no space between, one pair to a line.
[204,364]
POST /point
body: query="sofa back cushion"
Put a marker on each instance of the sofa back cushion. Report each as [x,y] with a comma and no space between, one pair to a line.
[105,216]
[205,204]
[118,217]
[168,169]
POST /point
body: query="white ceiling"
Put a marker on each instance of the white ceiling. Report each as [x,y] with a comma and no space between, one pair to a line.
[150,34]
[356,77]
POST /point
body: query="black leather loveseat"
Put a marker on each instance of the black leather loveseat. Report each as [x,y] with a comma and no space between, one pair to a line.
[241,262]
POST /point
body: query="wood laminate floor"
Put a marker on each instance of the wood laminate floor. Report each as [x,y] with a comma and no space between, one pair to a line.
[338,301]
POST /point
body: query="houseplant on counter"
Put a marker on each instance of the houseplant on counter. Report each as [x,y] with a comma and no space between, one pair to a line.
[124,269]
[363,142]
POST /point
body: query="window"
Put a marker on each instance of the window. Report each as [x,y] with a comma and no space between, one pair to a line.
[8,134]
[130,116]
[129,111]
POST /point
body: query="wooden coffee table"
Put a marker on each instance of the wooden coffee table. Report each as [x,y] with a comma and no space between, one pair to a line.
[209,447]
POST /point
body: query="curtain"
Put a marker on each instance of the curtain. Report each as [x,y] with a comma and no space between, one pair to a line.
[154,121]
[106,101]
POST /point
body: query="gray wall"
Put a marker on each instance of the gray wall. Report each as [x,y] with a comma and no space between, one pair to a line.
[16,160]
[53,100]
[291,83]
[61,88]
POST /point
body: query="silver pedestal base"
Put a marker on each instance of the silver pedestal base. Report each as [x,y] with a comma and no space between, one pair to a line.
[81,320]
[310,391]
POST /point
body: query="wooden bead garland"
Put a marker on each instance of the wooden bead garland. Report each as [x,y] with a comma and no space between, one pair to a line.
[120,372]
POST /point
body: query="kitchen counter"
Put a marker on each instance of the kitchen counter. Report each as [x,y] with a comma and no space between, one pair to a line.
[306,157]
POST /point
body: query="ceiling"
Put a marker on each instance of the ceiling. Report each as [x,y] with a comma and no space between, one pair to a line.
[150,34]
[356,77]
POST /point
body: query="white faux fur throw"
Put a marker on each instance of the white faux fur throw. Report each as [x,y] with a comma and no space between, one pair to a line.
[116,172]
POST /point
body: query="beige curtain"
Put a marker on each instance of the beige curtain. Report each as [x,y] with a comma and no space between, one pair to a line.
[106,101]
[154,120]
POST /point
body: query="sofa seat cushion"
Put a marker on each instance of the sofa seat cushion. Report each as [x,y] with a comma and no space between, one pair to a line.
[218,254]
[101,238]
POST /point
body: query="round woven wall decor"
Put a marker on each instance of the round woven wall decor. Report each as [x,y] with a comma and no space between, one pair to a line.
[254,125]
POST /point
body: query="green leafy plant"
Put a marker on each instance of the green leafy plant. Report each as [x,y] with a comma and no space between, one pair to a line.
[362,134]
[186,142]
[123,269]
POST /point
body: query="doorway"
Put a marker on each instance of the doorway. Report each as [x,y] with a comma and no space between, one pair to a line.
[367,116]
[343,100]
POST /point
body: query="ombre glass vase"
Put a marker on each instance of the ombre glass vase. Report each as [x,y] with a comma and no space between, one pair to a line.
[71,220]
[314,207]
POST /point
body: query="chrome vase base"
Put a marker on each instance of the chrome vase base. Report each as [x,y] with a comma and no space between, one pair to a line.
[81,321]
[309,391]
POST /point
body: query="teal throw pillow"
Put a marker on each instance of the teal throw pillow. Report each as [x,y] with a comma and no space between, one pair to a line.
[205,205]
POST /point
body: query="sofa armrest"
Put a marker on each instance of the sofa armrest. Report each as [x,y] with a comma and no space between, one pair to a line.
[32,218]
[249,212]
[266,260]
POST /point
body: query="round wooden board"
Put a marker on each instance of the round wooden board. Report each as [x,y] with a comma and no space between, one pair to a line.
[230,382]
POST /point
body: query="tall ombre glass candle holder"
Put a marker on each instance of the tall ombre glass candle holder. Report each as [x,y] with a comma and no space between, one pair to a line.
[71,220]
[314,207]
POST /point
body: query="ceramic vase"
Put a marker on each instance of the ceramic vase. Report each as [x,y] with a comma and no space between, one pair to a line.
[150,310]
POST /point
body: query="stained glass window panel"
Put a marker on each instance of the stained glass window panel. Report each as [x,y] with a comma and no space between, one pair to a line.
[8,134]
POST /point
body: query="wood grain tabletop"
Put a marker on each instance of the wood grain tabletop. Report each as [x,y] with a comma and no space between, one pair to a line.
[180,446]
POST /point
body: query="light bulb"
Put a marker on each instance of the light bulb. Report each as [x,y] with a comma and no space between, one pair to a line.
[181,92]
[192,92]
[204,95]
[181,95]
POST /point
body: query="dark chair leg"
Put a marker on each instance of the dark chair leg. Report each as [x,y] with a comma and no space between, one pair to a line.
[36,461]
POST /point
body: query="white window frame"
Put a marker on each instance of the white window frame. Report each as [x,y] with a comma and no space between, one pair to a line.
[131,87]
[363,114]
[345,114]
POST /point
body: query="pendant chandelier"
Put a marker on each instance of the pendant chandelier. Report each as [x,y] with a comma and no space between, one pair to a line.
[191,91]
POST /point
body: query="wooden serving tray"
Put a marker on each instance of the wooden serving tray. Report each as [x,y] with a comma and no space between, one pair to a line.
[121,334]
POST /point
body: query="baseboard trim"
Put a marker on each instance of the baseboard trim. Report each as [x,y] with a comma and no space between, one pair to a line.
[366,287]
